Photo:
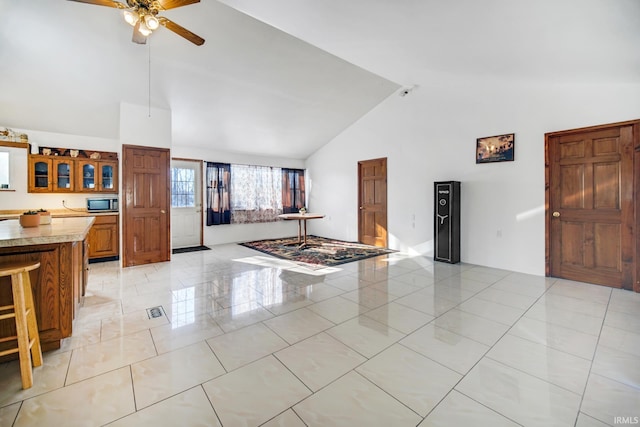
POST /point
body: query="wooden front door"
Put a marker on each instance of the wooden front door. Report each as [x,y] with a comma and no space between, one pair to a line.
[590,215]
[372,194]
[146,208]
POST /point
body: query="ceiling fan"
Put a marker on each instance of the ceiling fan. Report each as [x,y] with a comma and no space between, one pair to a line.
[143,16]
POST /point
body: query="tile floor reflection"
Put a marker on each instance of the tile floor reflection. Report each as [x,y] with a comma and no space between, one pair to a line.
[250,340]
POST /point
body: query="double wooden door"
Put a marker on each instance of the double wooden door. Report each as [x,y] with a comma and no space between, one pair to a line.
[591,225]
[146,189]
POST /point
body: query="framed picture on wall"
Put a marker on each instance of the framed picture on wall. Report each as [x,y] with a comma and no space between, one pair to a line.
[497,148]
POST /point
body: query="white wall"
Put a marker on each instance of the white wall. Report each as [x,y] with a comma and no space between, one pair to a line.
[20,199]
[430,135]
[232,233]
[146,126]
[137,128]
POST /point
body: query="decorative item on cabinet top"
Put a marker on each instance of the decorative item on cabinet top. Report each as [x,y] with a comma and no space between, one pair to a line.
[80,154]
[7,134]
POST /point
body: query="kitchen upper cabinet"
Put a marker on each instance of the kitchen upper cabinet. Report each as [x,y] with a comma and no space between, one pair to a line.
[108,175]
[97,176]
[63,174]
[40,174]
[63,171]
[47,174]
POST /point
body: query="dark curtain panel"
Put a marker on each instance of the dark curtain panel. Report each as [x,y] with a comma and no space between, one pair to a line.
[292,190]
[218,185]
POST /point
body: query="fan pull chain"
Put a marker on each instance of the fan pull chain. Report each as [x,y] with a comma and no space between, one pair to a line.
[149,78]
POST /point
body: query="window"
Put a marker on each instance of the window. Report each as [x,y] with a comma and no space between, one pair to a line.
[292,190]
[218,209]
[240,194]
[183,188]
[256,193]
[4,170]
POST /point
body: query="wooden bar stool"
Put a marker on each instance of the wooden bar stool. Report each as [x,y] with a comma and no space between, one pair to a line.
[25,316]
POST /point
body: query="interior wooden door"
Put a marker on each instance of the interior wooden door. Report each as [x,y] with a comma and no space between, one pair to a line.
[372,194]
[590,215]
[146,224]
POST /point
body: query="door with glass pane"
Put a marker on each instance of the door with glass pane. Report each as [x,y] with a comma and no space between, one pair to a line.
[87,179]
[108,174]
[40,173]
[186,203]
[63,175]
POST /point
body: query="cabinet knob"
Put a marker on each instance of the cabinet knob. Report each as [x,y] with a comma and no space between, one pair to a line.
[556,214]
[163,211]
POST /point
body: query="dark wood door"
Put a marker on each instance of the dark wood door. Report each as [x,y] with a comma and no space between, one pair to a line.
[146,208]
[372,194]
[590,214]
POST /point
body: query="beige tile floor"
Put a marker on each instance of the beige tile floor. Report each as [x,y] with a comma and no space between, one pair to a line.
[249,340]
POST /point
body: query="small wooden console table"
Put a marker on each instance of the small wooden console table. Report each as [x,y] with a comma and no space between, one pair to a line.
[302,224]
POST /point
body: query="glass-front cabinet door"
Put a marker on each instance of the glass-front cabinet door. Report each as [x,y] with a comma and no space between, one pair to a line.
[108,176]
[63,175]
[87,178]
[40,174]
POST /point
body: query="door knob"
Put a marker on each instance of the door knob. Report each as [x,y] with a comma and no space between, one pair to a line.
[361,208]
[162,211]
[556,214]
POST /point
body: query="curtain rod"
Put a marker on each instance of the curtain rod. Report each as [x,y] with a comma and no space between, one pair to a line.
[248,164]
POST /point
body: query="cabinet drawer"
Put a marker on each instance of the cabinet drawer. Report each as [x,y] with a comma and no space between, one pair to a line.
[106,219]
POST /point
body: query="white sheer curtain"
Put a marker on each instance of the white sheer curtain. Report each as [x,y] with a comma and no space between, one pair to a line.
[256,193]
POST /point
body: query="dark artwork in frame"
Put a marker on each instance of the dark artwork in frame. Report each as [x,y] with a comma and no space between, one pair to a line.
[497,148]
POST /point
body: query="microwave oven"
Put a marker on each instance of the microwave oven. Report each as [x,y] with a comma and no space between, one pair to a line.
[102,204]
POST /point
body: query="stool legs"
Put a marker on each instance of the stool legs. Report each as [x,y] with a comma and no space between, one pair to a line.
[26,327]
[32,323]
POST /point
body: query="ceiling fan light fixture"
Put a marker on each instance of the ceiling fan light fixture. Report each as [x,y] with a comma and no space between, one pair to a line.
[143,16]
[143,29]
[131,17]
[151,22]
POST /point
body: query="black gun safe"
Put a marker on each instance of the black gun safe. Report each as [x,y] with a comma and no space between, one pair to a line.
[447,221]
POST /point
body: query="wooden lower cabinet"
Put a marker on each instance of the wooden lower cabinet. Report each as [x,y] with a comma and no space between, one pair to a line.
[57,288]
[103,238]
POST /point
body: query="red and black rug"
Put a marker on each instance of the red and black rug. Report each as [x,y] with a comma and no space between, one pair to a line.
[319,250]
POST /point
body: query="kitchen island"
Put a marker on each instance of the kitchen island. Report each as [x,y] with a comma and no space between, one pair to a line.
[58,285]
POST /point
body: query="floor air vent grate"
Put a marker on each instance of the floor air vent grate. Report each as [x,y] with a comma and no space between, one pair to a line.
[155,312]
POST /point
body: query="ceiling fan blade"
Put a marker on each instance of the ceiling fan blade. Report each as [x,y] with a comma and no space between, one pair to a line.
[137,36]
[181,31]
[172,4]
[108,3]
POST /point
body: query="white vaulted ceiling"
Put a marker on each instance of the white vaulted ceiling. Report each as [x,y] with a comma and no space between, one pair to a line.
[284,77]
[66,66]
[409,40]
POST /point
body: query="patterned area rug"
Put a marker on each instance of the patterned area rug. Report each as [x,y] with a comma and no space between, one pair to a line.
[319,250]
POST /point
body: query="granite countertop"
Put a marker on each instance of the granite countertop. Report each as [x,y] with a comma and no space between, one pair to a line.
[60,230]
[57,213]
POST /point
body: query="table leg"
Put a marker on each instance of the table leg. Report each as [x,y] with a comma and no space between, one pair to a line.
[305,232]
[300,231]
